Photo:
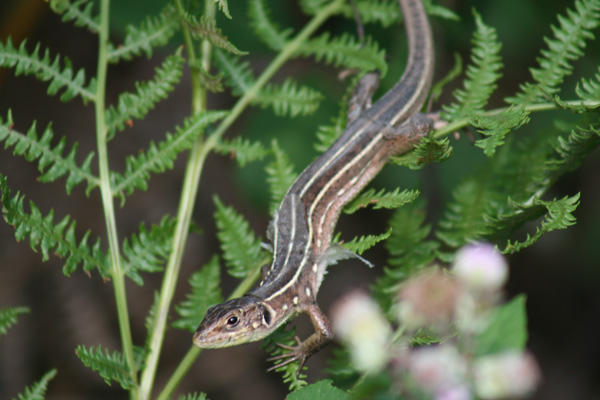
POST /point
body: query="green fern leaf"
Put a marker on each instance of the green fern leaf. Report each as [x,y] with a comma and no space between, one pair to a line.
[382,199]
[589,89]
[384,12]
[497,126]
[223,7]
[206,28]
[428,150]
[79,11]
[240,246]
[8,317]
[51,162]
[566,46]
[280,176]
[264,28]
[37,391]
[213,83]
[345,51]
[482,73]
[289,99]
[238,75]
[243,150]
[193,396]
[47,70]
[45,234]
[289,371]
[205,293]
[137,105]
[408,249]
[148,250]
[111,367]
[558,215]
[160,157]
[154,31]
[363,243]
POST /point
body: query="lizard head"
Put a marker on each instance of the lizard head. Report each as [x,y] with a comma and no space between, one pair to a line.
[237,321]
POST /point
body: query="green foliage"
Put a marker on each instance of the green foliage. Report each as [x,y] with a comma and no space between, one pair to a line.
[507,329]
[382,199]
[46,70]
[137,105]
[154,31]
[48,236]
[206,28]
[429,150]
[160,157]
[205,293]
[37,391]
[243,150]
[280,175]
[289,99]
[264,28]
[321,390]
[363,243]
[290,371]
[192,396]
[8,317]
[566,46]
[111,367]
[50,160]
[240,246]
[589,89]
[148,249]
[79,11]
[497,126]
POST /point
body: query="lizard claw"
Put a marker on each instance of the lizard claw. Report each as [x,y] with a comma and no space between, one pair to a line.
[296,353]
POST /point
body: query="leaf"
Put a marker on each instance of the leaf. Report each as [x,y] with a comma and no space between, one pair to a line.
[243,150]
[137,105]
[289,371]
[148,250]
[363,243]
[205,293]
[289,99]
[506,331]
[482,73]
[111,367]
[497,126]
[8,317]
[382,199]
[264,28]
[79,11]
[429,150]
[46,70]
[238,75]
[321,390]
[589,89]
[153,31]
[223,7]
[37,391]
[193,396]
[240,246]
[280,176]
[566,46]
[51,162]
[161,157]
[206,28]
[45,234]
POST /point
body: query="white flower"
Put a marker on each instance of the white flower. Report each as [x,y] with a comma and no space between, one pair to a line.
[480,267]
[437,368]
[506,375]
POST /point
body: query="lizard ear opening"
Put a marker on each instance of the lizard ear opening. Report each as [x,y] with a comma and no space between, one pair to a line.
[267,317]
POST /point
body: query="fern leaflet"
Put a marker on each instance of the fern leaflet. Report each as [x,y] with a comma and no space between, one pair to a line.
[289,99]
[79,11]
[47,70]
[382,199]
[497,126]
[111,367]
[243,150]
[50,159]
[37,391]
[428,150]
[193,396]
[589,89]
[264,28]
[361,244]
[206,28]
[8,317]
[49,236]
[238,75]
[205,293]
[280,175]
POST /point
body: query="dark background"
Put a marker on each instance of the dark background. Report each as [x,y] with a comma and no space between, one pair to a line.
[559,274]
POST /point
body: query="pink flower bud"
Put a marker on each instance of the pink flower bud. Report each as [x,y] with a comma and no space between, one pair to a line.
[506,375]
[480,267]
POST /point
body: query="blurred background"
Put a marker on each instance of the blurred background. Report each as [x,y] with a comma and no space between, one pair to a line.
[559,274]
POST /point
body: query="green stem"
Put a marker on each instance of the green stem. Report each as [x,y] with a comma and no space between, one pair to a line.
[117,275]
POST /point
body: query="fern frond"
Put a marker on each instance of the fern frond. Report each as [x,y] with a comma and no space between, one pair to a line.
[408,249]
[290,371]
[558,215]
[240,246]
[193,396]
[206,28]
[497,126]
[111,367]
[147,250]
[51,162]
[589,89]
[153,31]
[363,243]
[280,176]
[37,391]
[383,12]
[482,73]
[79,11]
[238,74]
[223,7]
[429,150]
[160,157]
[566,46]
[8,317]
[346,51]
[213,83]
[264,28]
[45,234]
[289,99]
[46,70]
[137,105]
[382,199]
[205,293]
[243,150]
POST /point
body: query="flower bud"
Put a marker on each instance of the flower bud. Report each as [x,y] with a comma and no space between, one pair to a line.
[506,375]
[480,267]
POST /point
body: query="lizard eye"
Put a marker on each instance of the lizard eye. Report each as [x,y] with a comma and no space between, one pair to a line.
[267,317]
[233,321]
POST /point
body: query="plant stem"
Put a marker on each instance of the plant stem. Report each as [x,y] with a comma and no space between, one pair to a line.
[107,198]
